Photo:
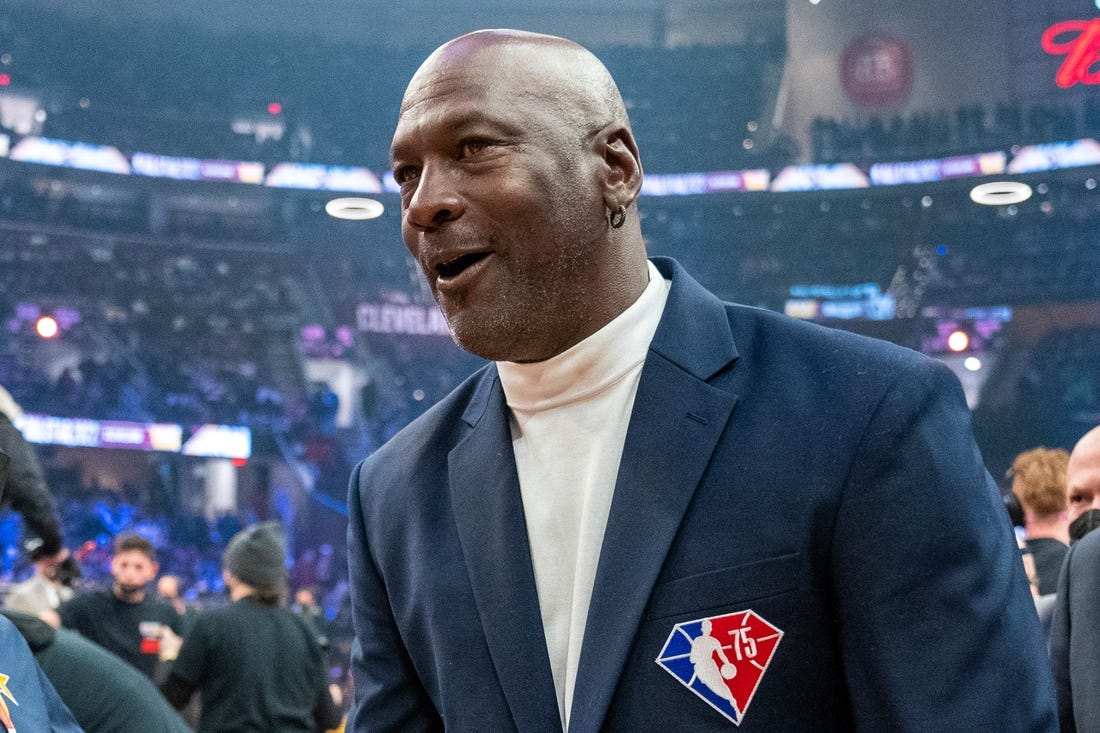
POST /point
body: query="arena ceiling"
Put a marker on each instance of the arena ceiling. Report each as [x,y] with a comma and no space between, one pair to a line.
[428,22]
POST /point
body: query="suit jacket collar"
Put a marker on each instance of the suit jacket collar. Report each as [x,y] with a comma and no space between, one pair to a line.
[674,427]
[488,511]
[677,420]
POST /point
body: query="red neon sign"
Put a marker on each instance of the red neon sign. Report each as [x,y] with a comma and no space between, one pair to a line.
[1081,50]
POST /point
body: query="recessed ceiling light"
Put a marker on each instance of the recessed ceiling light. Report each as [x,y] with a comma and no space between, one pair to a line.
[354,208]
[1000,193]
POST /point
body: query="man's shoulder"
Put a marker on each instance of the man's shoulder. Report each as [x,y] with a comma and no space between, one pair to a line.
[744,318]
[437,429]
[414,461]
[1085,553]
[157,606]
[1047,544]
[25,684]
[761,336]
[10,638]
[33,584]
[221,616]
[813,359]
[134,704]
[87,600]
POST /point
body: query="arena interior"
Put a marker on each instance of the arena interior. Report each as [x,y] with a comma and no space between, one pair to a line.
[197,343]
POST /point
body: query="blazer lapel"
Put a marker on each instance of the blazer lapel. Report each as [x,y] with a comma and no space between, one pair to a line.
[488,510]
[674,427]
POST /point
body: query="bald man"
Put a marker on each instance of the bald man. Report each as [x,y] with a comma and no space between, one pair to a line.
[1075,627]
[1083,476]
[642,465]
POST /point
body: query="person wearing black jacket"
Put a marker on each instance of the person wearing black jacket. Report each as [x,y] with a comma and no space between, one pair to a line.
[27,492]
[121,699]
[256,664]
[28,701]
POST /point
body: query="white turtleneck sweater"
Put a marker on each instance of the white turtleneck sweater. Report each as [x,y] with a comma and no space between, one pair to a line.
[569,416]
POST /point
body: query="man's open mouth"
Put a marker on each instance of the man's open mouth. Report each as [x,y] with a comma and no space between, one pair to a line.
[452,268]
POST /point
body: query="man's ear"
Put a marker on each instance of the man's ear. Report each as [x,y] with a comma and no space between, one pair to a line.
[622,169]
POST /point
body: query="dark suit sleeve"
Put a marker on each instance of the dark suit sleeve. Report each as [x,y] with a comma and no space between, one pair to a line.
[26,490]
[1059,644]
[938,629]
[388,693]
[1075,636]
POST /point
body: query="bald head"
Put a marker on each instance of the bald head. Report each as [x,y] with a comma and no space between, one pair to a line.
[556,71]
[1083,474]
[1089,442]
[517,165]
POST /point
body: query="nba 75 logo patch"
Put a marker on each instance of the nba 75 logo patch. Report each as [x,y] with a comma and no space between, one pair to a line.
[722,658]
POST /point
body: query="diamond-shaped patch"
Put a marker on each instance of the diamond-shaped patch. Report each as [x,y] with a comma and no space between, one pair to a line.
[721,658]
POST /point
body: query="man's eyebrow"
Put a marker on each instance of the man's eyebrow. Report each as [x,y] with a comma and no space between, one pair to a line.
[455,124]
[395,153]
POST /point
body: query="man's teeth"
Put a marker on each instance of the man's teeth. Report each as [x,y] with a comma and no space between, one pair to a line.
[454,266]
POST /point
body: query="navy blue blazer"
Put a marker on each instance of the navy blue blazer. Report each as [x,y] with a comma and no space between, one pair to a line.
[812,484]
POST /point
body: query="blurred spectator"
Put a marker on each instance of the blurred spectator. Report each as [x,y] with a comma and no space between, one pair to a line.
[104,693]
[168,588]
[1083,483]
[49,586]
[256,664]
[126,619]
[1075,632]
[1039,481]
[305,606]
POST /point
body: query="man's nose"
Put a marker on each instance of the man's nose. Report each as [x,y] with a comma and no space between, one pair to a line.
[435,200]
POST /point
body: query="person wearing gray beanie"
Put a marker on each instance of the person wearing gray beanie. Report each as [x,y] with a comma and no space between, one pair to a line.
[256,557]
[255,663]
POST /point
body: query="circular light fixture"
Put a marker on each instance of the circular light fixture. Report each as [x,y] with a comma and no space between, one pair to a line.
[958,341]
[1000,193]
[354,208]
[46,327]
[972,363]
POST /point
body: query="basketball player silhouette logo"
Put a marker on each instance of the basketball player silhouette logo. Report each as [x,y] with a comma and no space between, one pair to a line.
[722,659]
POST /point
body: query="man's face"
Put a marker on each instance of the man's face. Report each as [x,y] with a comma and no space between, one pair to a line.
[1083,479]
[132,570]
[500,203]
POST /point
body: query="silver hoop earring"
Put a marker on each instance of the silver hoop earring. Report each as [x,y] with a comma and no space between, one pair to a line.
[617,217]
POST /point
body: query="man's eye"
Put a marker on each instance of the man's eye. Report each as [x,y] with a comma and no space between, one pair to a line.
[405,174]
[1076,499]
[472,146]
